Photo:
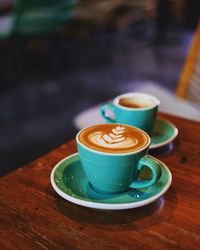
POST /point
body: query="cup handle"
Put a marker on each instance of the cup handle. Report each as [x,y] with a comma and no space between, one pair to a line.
[107,106]
[154,166]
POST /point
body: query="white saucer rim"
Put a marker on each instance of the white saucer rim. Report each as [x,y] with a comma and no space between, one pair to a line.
[161,144]
[108,206]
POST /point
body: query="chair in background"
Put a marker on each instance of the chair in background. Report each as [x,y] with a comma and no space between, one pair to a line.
[184,103]
[31,17]
[189,84]
[25,29]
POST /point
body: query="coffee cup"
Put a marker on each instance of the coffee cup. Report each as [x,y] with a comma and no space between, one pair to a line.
[113,156]
[135,109]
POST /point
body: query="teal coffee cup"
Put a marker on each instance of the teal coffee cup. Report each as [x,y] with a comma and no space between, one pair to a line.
[113,156]
[135,109]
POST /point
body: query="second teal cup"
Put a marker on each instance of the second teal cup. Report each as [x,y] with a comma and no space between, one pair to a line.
[135,109]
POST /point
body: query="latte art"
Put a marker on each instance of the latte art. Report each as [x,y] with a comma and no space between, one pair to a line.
[113,138]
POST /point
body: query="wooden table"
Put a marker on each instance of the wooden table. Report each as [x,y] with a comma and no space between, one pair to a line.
[33,216]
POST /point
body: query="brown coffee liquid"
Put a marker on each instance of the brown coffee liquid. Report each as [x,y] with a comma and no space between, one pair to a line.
[131,103]
[113,138]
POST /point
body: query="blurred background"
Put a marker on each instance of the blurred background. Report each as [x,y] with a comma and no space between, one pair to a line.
[58,58]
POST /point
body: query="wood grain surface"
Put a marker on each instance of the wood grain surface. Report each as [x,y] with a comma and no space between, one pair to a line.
[33,216]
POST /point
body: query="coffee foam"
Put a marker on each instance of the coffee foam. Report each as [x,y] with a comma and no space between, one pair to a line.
[113,138]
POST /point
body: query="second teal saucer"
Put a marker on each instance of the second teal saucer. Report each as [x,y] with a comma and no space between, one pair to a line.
[164,132]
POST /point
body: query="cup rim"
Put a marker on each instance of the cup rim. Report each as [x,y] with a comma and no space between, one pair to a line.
[130,94]
[110,153]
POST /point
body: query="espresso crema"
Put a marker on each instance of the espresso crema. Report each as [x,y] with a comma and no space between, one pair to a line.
[135,102]
[113,138]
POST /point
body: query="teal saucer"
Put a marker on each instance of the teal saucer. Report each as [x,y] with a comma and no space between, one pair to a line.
[164,132]
[70,182]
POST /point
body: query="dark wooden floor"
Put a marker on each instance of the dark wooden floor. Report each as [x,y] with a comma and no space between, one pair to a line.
[45,82]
